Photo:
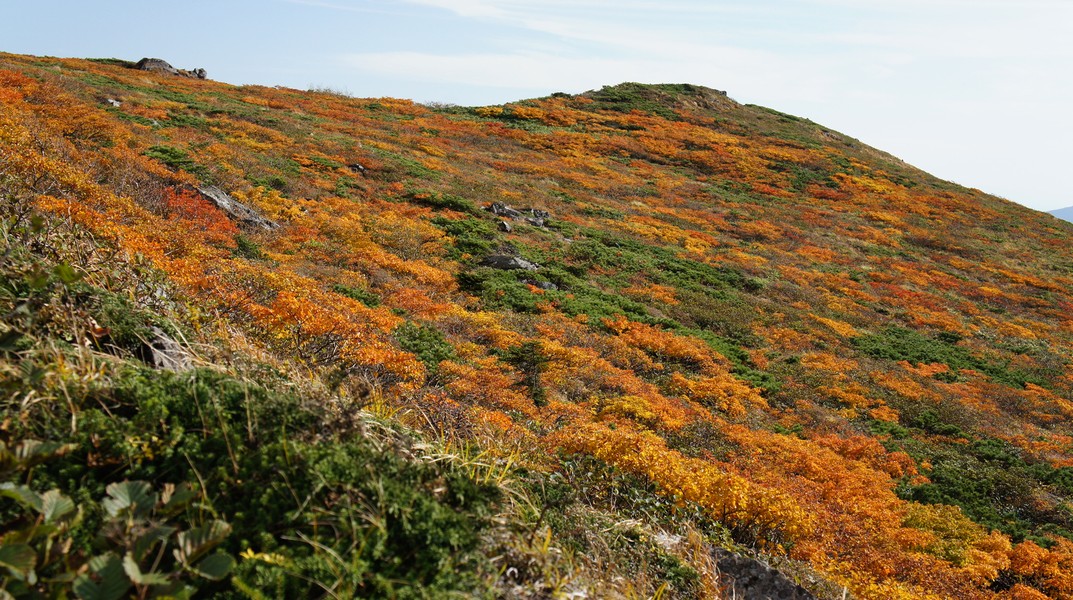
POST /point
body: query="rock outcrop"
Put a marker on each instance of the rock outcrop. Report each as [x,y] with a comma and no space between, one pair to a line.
[749,579]
[532,216]
[509,263]
[156,65]
[162,352]
[159,65]
[237,211]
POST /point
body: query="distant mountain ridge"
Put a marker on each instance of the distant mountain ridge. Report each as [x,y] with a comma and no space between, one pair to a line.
[1063,213]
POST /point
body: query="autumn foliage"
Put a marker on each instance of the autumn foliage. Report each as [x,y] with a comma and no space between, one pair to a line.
[839,359]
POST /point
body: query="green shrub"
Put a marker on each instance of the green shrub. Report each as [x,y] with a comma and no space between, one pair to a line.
[530,360]
[442,200]
[247,248]
[400,525]
[325,163]
[426,342]
[140,120]
[628,97]
[116,62]
[499,289]
[186,121]
[476,237]
[887,428]
[177,158]
[586,299]
[995,486]
[589,253]
[366,297]
[657,264]
[930,421]
[274,182]
[898,343]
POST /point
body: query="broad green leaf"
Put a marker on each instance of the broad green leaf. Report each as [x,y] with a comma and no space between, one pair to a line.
[29,534]
[35,450]
[199,540]
[66,273]
[150,538]
[131,568]
[21,494]
[183,593]
[110,582]
[215,566]
[55,505]
[105,562]
[63,578]
[176,498]
[20,559]
[29,453]
[134,496]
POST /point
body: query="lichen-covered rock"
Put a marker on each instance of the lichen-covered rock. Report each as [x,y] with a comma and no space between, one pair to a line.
[509,263]
[237,211]
[159,65]
[531,216]
[156,65]
[749,579]
[162,352]
[502,210]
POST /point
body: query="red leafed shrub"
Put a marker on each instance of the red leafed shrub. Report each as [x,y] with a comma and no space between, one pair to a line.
[201,216]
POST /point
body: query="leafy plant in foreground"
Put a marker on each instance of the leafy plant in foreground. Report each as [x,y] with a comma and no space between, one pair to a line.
[136,546]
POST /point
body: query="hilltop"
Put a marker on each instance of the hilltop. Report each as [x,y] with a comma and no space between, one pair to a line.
[584,345]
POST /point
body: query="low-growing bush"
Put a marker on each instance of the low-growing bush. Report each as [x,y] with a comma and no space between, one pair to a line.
[178,159]
[426,342]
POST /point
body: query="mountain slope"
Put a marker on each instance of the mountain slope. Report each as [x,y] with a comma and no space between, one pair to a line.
[687,323]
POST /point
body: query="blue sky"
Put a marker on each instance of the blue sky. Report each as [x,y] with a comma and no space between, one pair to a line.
[975,91]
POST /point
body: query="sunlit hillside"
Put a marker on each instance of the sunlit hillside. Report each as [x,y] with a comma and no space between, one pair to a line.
[265,343]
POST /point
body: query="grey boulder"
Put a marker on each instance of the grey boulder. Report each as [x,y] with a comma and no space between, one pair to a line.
[162,352]
[237,211]
[509,263]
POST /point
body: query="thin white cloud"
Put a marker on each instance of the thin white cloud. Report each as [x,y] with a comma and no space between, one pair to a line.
[550,72]
[467,8]
[363,8]
[976,28]
[515,71]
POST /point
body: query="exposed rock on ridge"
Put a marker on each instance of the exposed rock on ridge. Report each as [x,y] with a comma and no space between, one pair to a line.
[159,65]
